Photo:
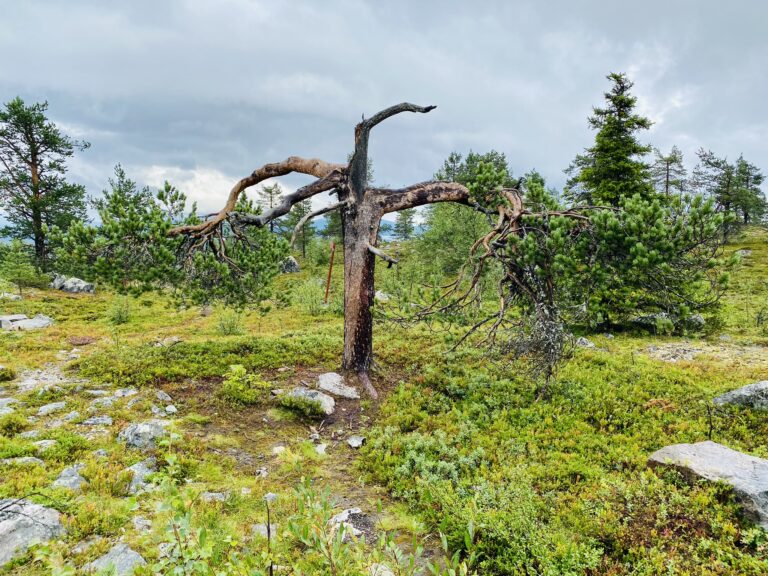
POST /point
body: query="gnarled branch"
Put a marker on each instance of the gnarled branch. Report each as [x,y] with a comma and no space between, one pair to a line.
[325,171]
[419,195]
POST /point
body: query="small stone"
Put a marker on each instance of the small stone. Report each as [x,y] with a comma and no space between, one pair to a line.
[261,473]
[380,296]
[121,559]
[141,524]
[261,530]
[43,445]
[333,383]
[101,403]
[356,441]
[320,449]
[29,434]
[156,411]
[125,392]
[290,266]
[380,570]
[270,497]
[582,342]
[101,453]
[74,415]
[86,545]
[214,496]
[140,472]
[171,409]
[163,396]
[245,491]
[70,478]
[97,421]
[51,408]
[277,450]
[97,392]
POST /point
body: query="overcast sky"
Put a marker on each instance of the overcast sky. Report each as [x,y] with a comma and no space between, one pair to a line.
[202,92]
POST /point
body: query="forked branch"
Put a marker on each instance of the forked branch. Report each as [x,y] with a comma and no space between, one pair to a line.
[307,217]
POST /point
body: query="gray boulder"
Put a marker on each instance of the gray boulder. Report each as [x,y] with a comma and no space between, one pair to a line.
[97,421]
[39,321]
[582,342]
[121,560]
[290,266]
[23,524]
[327,403]
[9,296]
[51,408]
[747,475]
[143,435]
[334,384]
[8,321]
[752,396]
[22,461]
[72,285]
[70,478]
[356,441]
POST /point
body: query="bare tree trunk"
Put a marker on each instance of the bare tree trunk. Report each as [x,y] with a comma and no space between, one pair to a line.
[360,226]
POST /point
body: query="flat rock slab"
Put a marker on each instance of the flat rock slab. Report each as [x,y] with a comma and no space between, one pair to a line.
[23,524]
[747,475]
[39,321]
[51,408]
[120,559]
[752,396]
[334,384]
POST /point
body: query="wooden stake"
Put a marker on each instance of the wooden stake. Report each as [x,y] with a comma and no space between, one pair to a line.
[330,269]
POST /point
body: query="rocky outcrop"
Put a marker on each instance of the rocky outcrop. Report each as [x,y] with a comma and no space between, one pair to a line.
[752,396]
[23,524]
[72,285]
[747,475]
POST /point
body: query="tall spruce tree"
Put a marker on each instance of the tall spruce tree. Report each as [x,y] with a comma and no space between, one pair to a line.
[613,168]
[307,232]
[34,193]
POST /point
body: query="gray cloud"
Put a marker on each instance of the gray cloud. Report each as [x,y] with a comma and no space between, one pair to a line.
[203,92]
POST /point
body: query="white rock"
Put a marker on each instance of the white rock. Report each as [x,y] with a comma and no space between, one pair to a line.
[9,296]
[356,441]
[163,396]
[171,409]
[43,445]
[261,530]
[333,383]
[141,524]
[140,471]
[103,420]
[320,449]
[22,461]
[380,570]
[39,321]
[214,496]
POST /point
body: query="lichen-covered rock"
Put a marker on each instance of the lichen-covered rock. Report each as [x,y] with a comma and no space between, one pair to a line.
[39,321]
[72,285]
[51,408]
[143,435]
[333,383]
[290,266]
[70,478]
[9,296]
[752,396]
[582,342]
[747,475]
[356,441]
[23,524]
[121,560]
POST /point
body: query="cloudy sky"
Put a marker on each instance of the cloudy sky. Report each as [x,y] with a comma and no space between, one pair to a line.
[201,92]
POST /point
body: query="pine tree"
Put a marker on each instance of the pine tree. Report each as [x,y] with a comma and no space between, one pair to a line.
[405,224]
[34,194]
[668,172]
[17,267]
[612,169]
[269,197]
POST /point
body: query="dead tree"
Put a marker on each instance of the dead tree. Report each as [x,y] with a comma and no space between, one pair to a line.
[361,210]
